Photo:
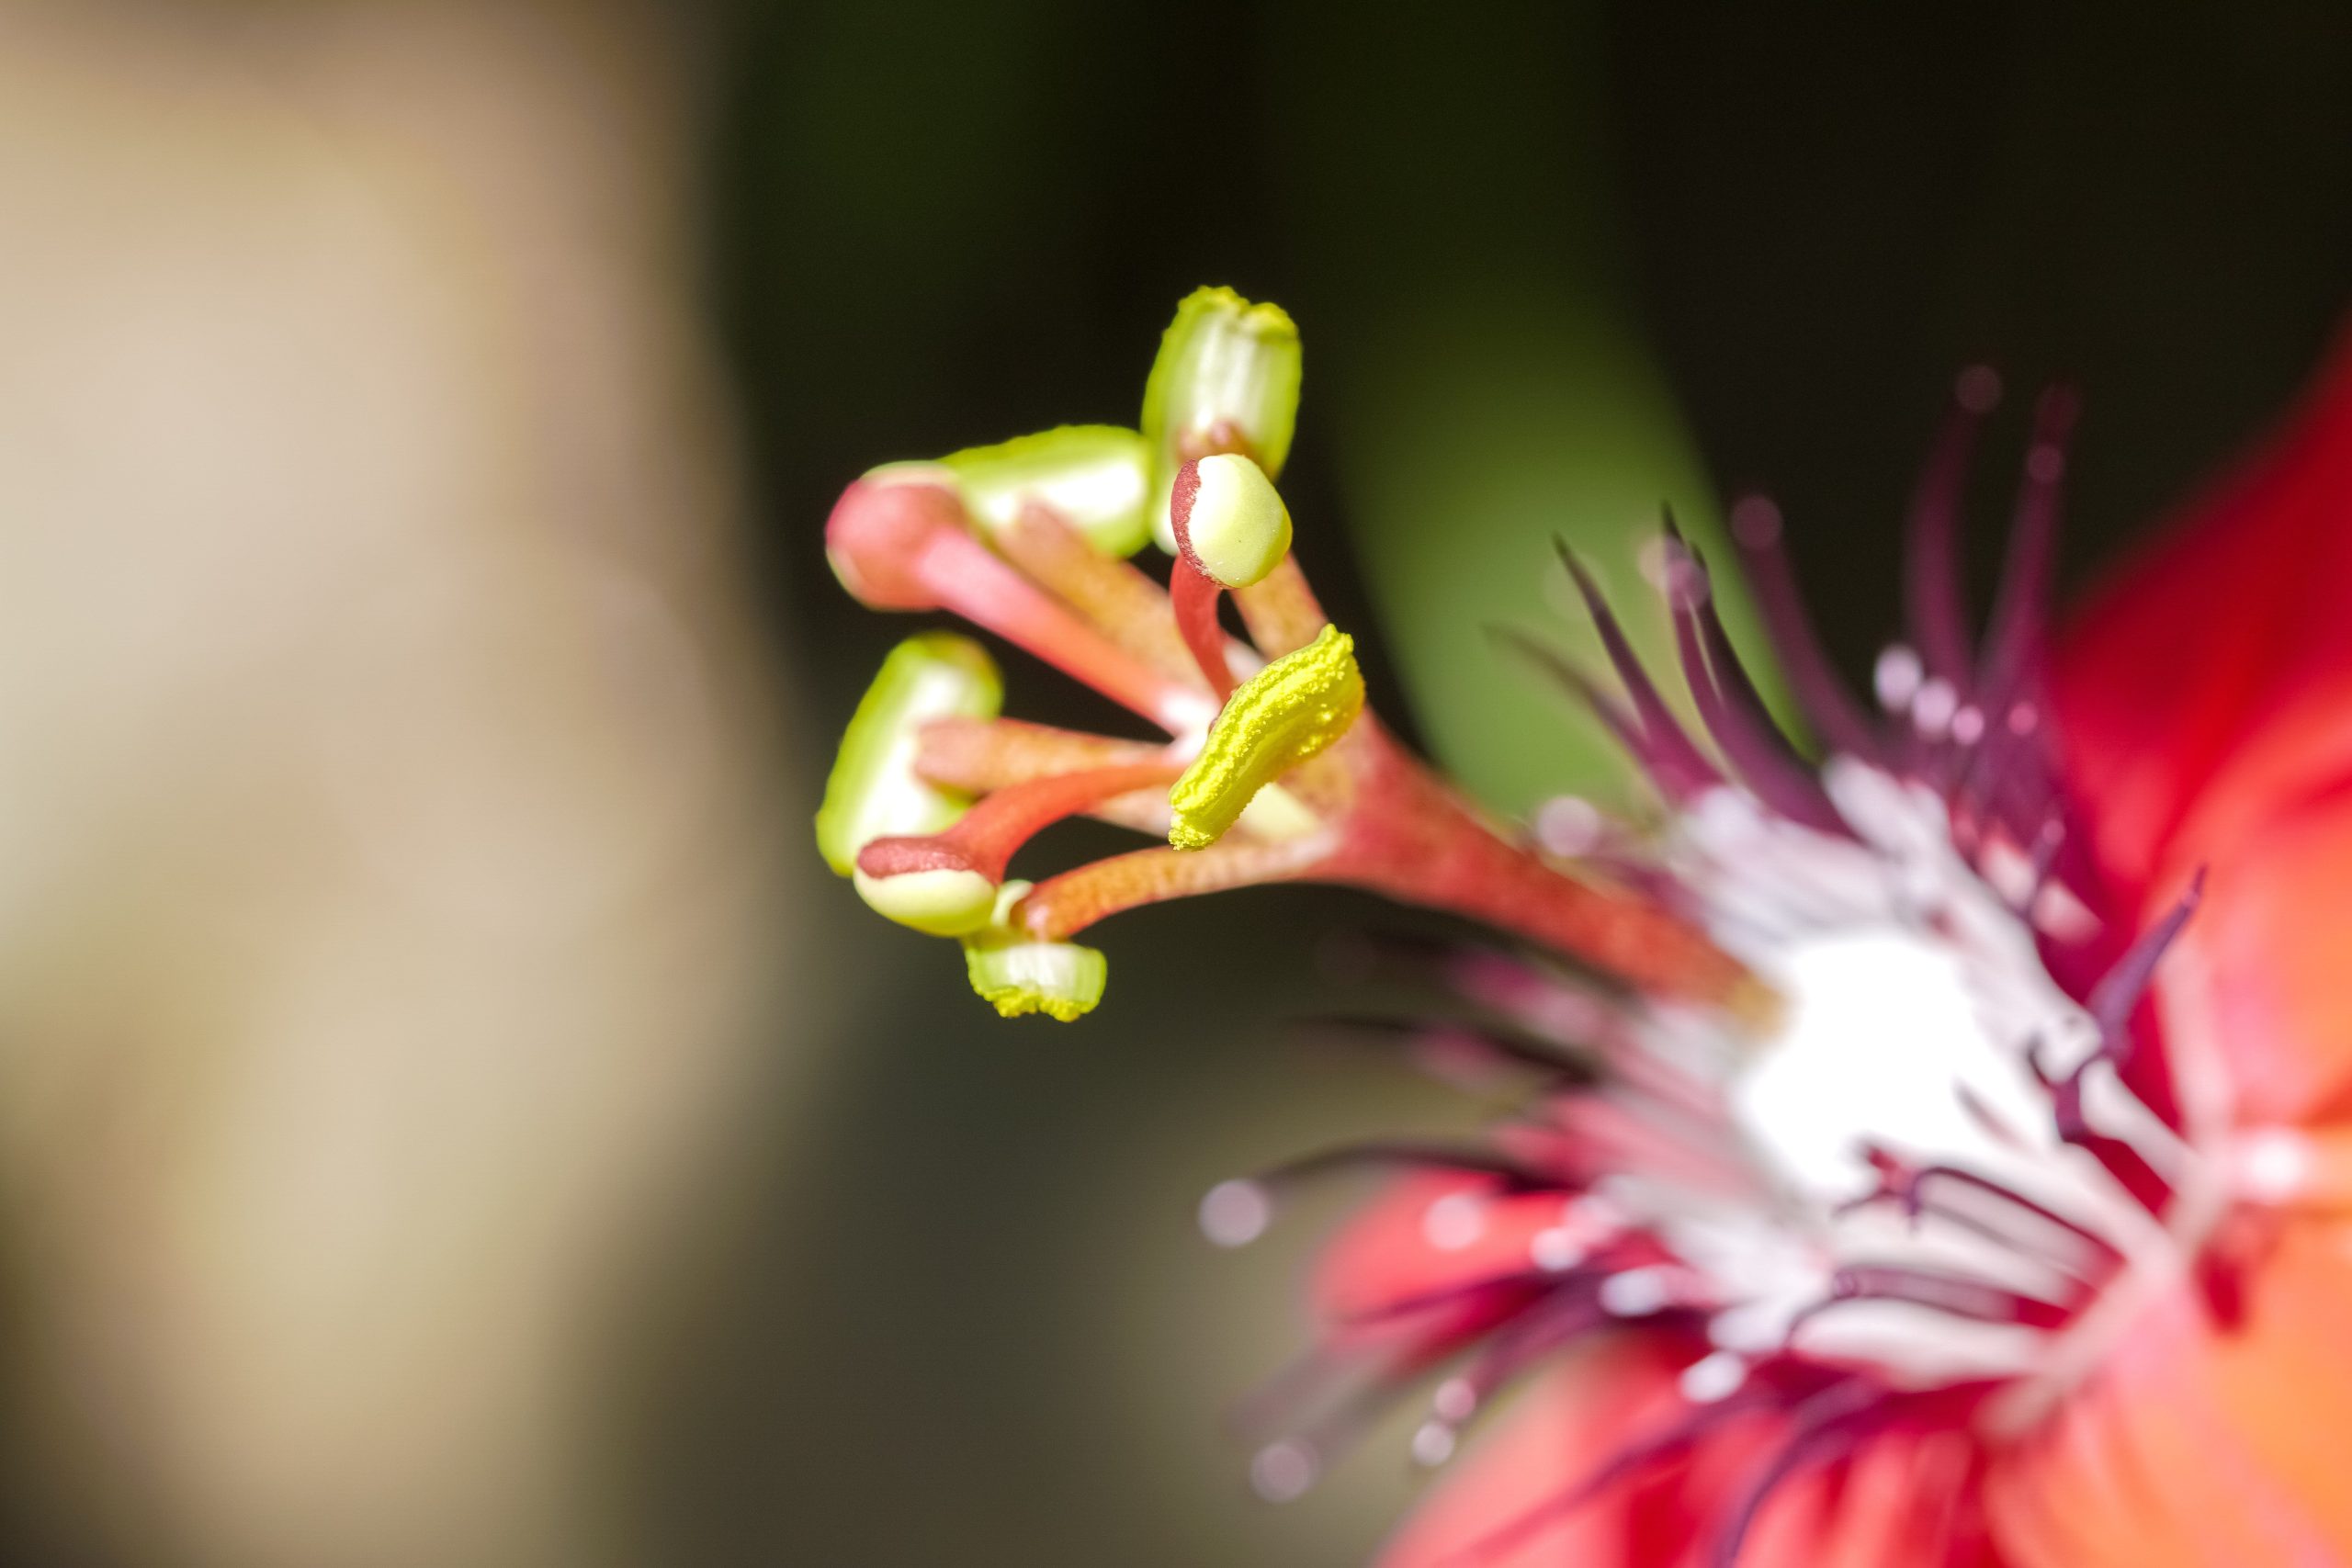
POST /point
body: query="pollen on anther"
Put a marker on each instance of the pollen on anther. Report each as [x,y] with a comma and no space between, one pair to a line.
[1235,1213]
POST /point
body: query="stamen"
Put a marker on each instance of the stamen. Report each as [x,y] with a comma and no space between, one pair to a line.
[938,899]
[1230,521]
[978,755]
[1194,595]
[1232,530]
[1287,713]
[1428,848]
[1096,478]
[1917,896]
[1226,380]
[899,540]
[988,834]
[1019,975]
[876,789]
[1121,602]
[1064,904]
[1281,611]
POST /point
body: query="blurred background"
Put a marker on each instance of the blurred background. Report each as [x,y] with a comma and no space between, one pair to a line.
[448,1115]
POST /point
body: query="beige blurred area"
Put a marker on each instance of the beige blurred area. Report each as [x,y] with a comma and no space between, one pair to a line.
[389,890]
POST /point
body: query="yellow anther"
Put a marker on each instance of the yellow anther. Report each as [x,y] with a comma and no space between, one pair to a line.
[1281,717]
[1018,975]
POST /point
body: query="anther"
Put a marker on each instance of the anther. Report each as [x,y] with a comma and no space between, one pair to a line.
[1096,478]
[1287,713]
[873,791]
[1230,521]
[1226,380]
[1231,531]
[900,539]
[1019,975]
[945,884]
[937,903]
[881,528]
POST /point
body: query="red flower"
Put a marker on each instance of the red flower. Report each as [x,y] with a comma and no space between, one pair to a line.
[1928,1155]
[2190,1411]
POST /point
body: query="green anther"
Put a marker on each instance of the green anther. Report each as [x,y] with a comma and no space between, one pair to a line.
[1237,527]
[873,791]
[1283,714]
[1098,477]
[945,902]
[1227,379]
[1018,975]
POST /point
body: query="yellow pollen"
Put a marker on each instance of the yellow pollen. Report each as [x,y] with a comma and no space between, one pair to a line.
[1283,714]
[1019,975]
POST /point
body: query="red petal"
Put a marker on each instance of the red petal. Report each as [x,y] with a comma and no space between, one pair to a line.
[2229,624]
[1892,1501]
[1568,1425]
[2199,1445]
[1428,1235]
[2260,985]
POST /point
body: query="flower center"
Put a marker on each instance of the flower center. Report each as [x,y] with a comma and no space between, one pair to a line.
[1882,1049]
[1914,1183]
